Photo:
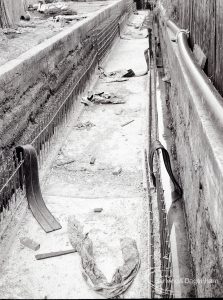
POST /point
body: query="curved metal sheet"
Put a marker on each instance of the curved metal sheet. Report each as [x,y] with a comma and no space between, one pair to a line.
[33,191]
[156,145]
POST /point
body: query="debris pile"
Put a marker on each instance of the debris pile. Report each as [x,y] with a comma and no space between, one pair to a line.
[124,74]
[101,98]
[58,10]
[54,8]
[116,76]
[131,35]
[123,276]
[87,125]
[68,19]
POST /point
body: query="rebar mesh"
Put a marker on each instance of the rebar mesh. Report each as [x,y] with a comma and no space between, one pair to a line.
[11,166]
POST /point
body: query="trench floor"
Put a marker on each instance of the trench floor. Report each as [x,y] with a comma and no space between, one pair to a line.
[75,187]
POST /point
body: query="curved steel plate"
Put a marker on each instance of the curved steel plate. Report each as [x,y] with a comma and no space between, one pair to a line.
[33,191]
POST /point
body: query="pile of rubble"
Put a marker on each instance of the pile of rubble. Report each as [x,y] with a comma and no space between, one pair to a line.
[59,10]
[101,98]
[52,7]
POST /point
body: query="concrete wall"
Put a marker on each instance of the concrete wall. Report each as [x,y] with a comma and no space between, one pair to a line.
[200,157]
[30,84]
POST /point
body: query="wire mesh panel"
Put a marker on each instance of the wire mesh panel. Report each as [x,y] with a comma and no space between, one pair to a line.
[161,277]
[166,261]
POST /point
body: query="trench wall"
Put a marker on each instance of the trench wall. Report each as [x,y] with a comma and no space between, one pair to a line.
[199,152]
[31,84]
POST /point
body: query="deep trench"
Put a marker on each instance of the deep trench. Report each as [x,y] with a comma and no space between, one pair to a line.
[72,186]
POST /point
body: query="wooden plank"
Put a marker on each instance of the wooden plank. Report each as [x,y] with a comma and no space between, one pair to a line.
[53,254]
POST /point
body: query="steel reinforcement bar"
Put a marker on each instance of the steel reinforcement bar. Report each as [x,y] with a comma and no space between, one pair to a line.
[208,93]
[160,252]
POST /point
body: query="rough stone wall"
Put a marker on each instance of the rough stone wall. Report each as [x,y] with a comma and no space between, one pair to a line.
[30,84]
[34,91]
[201,173]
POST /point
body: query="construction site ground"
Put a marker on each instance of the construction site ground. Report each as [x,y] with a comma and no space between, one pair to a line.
[76,187]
